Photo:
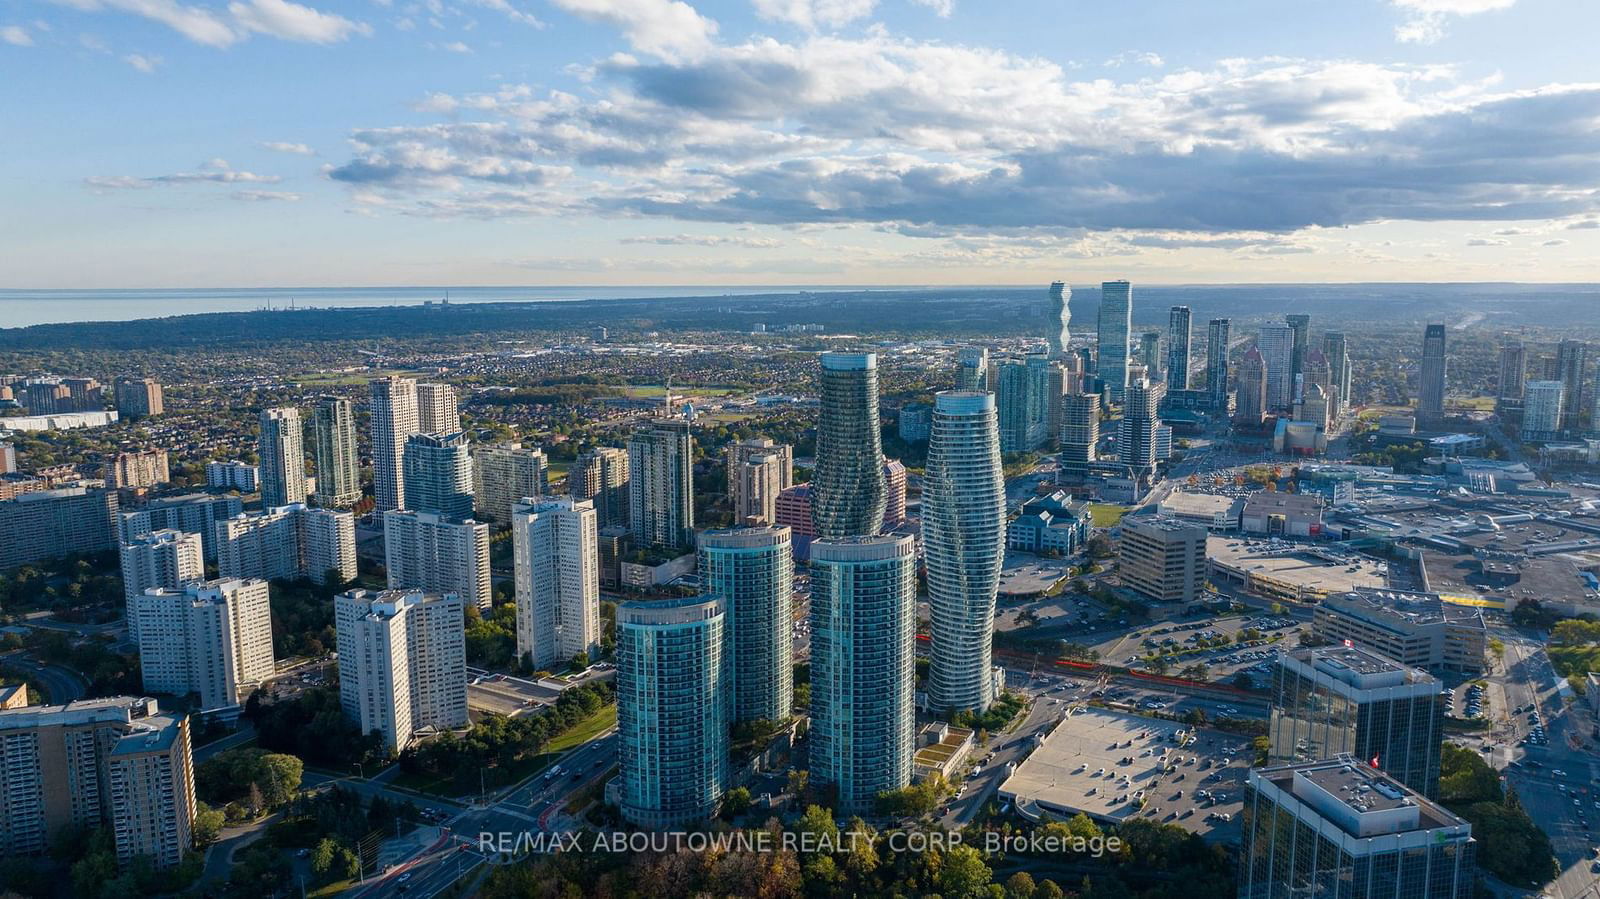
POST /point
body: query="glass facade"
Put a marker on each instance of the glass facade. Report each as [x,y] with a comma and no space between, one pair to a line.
[847,489]
[1115,326]
[752,571]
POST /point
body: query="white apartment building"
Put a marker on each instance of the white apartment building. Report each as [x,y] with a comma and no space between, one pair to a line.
[504,473]
[213,638]
[287,542]
[232,476]
[166,558]
[402,662]
[424,551]
[557,555]
[438,410]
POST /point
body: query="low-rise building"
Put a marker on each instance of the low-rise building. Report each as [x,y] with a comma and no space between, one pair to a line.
[1277,514]
[1163,558]
[1412,627]
[1050,524]
[1211,511]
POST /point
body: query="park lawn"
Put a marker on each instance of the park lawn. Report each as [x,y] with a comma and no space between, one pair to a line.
[1574,660]
[1106,515]
[521,769]
[332,889]
[585,730]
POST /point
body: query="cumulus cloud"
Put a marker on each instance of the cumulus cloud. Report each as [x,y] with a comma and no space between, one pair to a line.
[16,36]
[941,8]
[279,146]
[1487,242]
[216,171]
[142,62]
[1426,20]
[275,18]
[668,29]
[1585,225]
[815,13]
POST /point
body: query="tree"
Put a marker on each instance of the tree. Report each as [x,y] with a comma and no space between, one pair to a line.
[1020,886]
[736,803]
[207,825]
[1047,890]
[796,785]
[963,875]
[819,824]
[580,661]
[322,857]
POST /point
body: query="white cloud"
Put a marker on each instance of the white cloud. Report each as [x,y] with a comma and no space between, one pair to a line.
[941,8]
[669,29]
[1585,225]
[143,63]
[215,171]
[509,11]
[264,196]
[196,23]
[1557,242]
[815,13]
[706,240]
[1135,57]
[279,146]
[293,22]
[1488,242]
[1426,19]
[455,47]
[16,36]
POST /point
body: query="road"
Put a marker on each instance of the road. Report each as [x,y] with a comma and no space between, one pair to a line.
[1012,746]
[61,685]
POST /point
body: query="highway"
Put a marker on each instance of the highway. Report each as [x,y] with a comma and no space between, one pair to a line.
[61,685]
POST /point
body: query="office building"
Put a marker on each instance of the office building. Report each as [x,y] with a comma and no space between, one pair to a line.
[394,420]
[964,535]
[434,554]
[1163,558]
[972,368]
[438,474]
[502,475]
[233,475]
[402,662]
[154,560]
[1338,827]
[145,468]
[1059,316]
[556,554]
[661,484]
[438,411]
[751,570]
[863,666]
[672,710]
[333,446]
[1411,627]
[196,513]
[1080,433]
[1218,334]
[1276,345]
[1336,349]
[1347,700]
[282,458]
[138,397]
[1178,328]
[847,488]
[1572,361]
[288,542]
[1252,399]
[150,778]
[1542,410]
[913,422]
[1114,335]
[758,470]
[894,494]
[46,524]
[1136,434]
[601,475]
[211,638]
[1430,394]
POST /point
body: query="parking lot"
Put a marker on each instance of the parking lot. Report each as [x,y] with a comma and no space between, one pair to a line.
[1226,646]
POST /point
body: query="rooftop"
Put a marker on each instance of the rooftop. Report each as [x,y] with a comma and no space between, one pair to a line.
[154,734]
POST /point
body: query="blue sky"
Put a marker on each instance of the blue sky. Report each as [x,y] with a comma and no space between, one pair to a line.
[186,143]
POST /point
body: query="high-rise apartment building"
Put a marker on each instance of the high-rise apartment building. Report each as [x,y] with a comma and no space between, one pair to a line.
[673,710]
[157,559]
[8,458]
[282,458]
[758,470]
[1114,336]
[503,474]
[196,513]
[438,410]
[1337,827]
[1572,361]
[1252,401]
[233,475]
[1336,349]
[661,484]
[333,446]
[1065,380]
[1343,700]
[212,638]
[1318,374]
[1178,330]
[1149,355]
[1163,558]
[1276,346]
[1300,324]
[556,553]
[972,368]
[752,571]
[894,493]
[438,474]
[1021,398]
[863,666]
[847,488]
[1080,433]
[964,536]
[288,542]
[394,420]
[1060,315]
[1218,334]
[50,523]
[150,779]
[1136,435]
[1430,395]
[144,468]
[1513,370]
[402,662]
[138,397]
[435,554]
[601,475]
[1542,410]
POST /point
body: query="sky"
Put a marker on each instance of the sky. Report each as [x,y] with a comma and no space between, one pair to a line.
[208,143]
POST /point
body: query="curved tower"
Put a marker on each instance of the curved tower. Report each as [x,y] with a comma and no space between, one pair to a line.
[963,530]
[1060,316]
[847,490]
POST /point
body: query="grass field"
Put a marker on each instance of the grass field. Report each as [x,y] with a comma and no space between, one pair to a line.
[1570,660]
[585,730]
[1106,515]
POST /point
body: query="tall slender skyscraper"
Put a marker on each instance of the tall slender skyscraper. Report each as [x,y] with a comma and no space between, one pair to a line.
[1300,324]
[283,458]
[1178,328]
[1149,355]
[438,474]
[672,710]
[333,435]
[556,552]
[601,474]
[1513,370]
[1252,403]
[1541,410]
[1136,436]
[1219,333]
[1276,343]
[438,411]
[1115,328]
[1337,351]
[1572,362]
[1080,432]
[661,484]
[394,419]
[752,571]
[963,530]
[1059,317]
[1430,398]
[863,665]
[972,369]
[847,491]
